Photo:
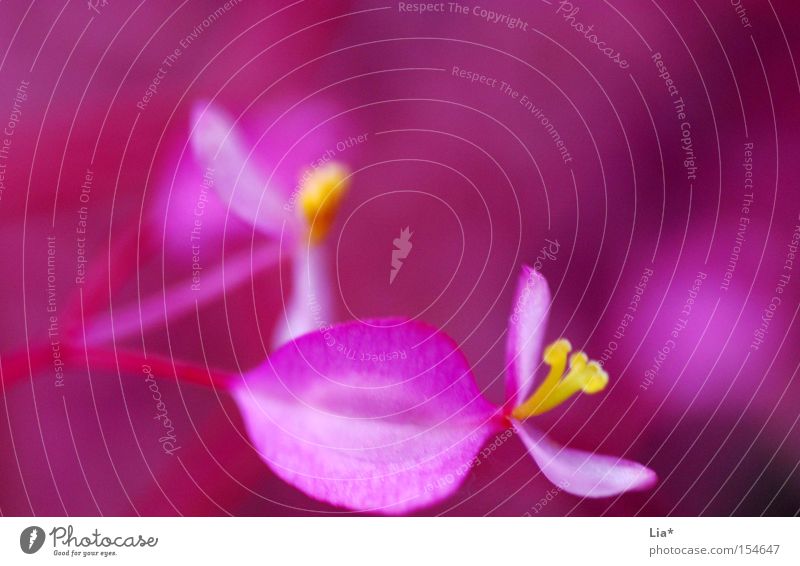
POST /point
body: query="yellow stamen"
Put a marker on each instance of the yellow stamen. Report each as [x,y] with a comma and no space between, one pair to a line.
[320,194]
[584,375]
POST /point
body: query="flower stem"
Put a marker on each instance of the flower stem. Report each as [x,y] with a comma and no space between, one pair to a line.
[128,361]
[16,367]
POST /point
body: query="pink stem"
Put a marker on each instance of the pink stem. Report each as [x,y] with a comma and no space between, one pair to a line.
[20,365]
[179,300]
[17,367]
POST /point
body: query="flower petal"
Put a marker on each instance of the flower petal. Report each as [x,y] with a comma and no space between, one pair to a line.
[381,416]
[238,181]
[584,473]
[526,327]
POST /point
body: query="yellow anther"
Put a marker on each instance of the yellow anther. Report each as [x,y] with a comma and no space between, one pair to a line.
[578,361]
[584,375]
[596,380]
[321,192]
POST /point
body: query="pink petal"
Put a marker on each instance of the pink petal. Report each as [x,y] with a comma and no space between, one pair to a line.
[382,416]
[584,473]
[301,134]
[526,328]
[237,179]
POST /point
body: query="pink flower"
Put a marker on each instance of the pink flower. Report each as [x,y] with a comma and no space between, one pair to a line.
[288,198]
[385,416]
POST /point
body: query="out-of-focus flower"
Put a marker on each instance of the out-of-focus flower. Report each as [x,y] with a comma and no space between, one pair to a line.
[292,211]
[385,415]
